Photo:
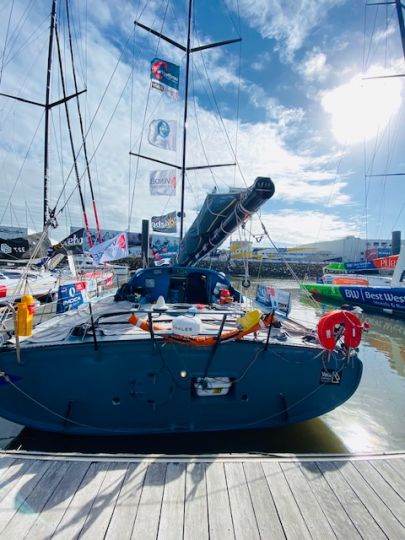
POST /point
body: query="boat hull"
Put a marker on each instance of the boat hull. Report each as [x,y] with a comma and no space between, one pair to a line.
[144,386]
[388,300]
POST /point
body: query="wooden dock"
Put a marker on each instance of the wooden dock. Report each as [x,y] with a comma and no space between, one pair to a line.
[201,497]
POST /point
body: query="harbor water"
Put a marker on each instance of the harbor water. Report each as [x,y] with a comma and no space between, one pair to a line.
[372,421]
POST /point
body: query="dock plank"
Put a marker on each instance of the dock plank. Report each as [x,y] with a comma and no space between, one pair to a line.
[312,512]
[196,505]
[335,512]
[355,509]
[13,474]
[219,497]
[243,516]
[98,519]
[80,505]
[390,475]
[20,490]
[28,510]
[398,465]
[366,492]
[171,522]
[5,463]
[392,500]
[147,519]
[268,521]
[293,523]
[46,523]
[126,508]
[219,510]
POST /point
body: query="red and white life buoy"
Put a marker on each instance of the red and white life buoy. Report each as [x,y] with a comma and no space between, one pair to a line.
[330,323]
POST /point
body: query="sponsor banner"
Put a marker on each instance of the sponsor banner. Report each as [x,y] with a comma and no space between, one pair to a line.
[359,266]
[377,252]
[165,77]
[77,242]
[163,182]
[163,247]
[13,249]
[71,296]
[165,224]
[275,298]
[241,250]
[163,134]
[386,263]
[381,297]
[111,250]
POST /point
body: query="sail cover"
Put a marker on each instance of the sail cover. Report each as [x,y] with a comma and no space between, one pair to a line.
[25,247]
[219,216]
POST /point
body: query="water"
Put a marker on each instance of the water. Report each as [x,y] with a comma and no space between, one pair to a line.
[371,421]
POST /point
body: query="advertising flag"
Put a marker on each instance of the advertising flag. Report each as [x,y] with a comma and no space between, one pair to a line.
[110,250]
[71,296]
[163,133]
[165,77]
[165,224]
[163,182]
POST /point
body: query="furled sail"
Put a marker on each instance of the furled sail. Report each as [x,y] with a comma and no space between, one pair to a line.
[219,216]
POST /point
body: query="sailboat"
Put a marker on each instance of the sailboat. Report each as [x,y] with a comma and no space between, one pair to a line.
[178,349]
[45,281]
[387,298]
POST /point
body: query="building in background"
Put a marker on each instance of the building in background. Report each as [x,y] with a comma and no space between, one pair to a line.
[348,249]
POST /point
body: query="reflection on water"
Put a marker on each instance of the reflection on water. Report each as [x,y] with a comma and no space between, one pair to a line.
[371,421]
[306,437]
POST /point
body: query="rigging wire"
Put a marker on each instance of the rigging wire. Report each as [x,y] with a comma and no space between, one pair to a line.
[14,36]
[92,122]
[22,167]
[223,123]
[84,145]
[5,40]
[72,146]
[144,120]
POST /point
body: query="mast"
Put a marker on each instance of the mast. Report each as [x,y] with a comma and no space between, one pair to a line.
[47,111]
[183,168]
[188,50]
[48,218]
[400,14]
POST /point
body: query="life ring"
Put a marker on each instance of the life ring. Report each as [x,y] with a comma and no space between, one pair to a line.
[246,283]
[329,324]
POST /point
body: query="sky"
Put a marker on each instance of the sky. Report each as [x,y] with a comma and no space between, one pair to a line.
[292,101]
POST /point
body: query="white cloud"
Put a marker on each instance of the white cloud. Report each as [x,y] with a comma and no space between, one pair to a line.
[314,67]
[262,150]
[292,227]
[287,21]
[361,109]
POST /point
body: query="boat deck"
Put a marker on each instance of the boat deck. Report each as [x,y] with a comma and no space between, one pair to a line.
[223,496]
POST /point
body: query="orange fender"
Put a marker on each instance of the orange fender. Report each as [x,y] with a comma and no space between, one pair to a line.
[143,323]
[205,341]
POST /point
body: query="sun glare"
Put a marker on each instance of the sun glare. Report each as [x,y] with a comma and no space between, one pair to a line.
[361,109]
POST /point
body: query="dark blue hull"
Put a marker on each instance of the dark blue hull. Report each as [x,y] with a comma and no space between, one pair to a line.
[387,300]
[137,387]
